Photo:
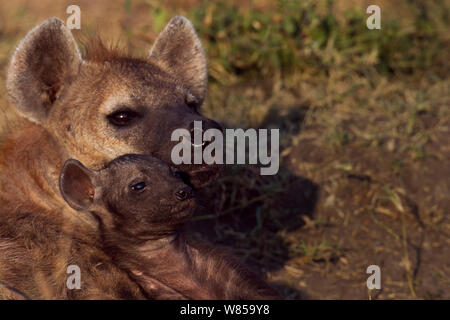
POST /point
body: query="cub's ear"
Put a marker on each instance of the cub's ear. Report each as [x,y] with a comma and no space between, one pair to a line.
[76,184]
[180,51]
[45,60]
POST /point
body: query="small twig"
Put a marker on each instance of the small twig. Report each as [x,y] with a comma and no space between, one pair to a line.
[229,210]
[402,239]
[382,225]
[408,262]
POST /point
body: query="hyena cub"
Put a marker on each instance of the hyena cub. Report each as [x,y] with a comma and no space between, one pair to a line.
[141,204]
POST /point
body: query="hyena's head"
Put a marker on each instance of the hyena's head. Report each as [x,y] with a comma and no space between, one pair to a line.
[106,104]
[137,196]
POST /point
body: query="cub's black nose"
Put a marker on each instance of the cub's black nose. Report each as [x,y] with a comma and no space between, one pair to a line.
[184,193]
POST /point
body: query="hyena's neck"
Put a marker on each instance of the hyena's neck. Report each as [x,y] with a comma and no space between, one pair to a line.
[181,270]
[165,269]
[30,163]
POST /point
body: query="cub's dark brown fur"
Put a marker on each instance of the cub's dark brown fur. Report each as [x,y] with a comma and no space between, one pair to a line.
[141,204]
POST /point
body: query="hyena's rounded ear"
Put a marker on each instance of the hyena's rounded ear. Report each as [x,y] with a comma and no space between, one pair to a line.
[180,52]
[45,60]
[76,183]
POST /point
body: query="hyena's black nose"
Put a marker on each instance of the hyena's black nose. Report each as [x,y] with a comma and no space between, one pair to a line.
[194,128]
[211,124]
[184,193]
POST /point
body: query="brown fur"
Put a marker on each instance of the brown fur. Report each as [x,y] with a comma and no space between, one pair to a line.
[97,51]
[39,239]
[192,271]
[67,101]
[139,230]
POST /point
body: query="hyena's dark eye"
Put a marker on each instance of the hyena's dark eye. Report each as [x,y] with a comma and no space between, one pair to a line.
[122,117]
[138,186]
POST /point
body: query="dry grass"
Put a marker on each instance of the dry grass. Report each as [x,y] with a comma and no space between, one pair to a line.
[364,119]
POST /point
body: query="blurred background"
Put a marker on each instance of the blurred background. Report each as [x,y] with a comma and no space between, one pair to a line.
[364,128]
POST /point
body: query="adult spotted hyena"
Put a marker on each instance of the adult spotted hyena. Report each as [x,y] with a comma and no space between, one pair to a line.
[94,109]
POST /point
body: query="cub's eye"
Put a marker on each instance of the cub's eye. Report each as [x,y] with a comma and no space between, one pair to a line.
[138,186]
[122,117]
[175,172]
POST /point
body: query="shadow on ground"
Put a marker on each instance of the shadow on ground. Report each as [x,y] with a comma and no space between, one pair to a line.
[249,214]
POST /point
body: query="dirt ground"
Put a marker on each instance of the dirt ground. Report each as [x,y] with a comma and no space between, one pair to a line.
[365,148]
[346,210]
